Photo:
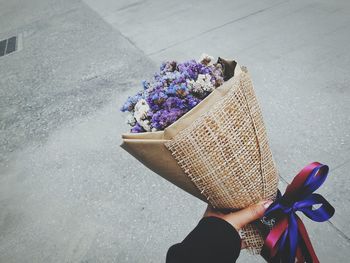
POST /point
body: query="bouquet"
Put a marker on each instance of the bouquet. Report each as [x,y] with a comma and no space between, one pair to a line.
[198,124]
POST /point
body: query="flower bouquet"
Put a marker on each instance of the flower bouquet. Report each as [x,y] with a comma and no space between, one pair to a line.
[198,124]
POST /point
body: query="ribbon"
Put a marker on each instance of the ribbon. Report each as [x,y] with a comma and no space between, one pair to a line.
[288,239]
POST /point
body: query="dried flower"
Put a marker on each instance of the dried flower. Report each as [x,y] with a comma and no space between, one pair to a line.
[173,91]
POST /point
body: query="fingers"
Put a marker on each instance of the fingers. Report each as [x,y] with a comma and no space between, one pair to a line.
[243,217]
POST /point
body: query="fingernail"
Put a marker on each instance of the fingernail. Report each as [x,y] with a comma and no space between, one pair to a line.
[267,203]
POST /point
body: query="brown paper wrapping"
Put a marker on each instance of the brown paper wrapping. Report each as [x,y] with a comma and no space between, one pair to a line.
[218,151]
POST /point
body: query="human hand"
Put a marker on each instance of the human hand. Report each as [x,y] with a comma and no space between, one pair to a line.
[242,217]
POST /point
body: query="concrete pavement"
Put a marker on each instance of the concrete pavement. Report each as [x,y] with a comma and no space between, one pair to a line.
[68,193]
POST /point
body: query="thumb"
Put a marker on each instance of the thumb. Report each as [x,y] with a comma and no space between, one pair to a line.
[251,213]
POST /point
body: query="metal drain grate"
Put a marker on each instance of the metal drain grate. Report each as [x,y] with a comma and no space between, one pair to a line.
[8,46]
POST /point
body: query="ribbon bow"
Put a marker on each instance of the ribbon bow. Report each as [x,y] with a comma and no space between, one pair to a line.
[288,239]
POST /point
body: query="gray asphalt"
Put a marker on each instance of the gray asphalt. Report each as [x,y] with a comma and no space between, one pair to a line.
[69,193]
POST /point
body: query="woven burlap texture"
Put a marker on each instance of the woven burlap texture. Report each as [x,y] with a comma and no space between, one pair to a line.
[226,154]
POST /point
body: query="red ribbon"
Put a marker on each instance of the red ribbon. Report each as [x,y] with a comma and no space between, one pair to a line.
[289,227]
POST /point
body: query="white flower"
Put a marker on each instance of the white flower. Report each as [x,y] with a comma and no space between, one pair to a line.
[205,82]
[141,108]
[130,119]
[145,124]
[140,114]
[206,59]
[202,84]
[194,86]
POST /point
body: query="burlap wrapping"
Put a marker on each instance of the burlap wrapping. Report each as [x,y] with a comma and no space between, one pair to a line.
[221,146]
[226,154]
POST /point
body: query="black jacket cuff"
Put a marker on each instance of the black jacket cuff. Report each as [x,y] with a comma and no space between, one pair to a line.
[212,240]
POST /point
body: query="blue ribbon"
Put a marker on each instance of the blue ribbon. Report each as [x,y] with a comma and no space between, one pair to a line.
[291,233]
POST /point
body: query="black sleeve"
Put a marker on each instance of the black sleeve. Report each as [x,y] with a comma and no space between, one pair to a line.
[212,240]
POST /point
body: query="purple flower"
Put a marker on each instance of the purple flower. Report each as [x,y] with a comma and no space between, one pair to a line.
[145,84]
[171,93]
[131,101]
[156,98]
[177,90]
[175,103]
[168,66]
[192,101]
[137,128]
[163,118]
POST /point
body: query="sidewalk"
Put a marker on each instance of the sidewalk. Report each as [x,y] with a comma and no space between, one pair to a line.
[68,193]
